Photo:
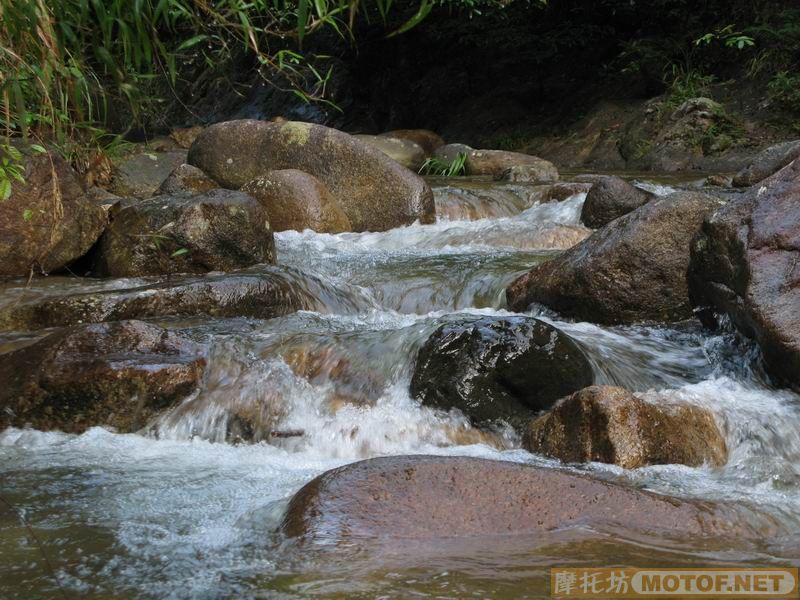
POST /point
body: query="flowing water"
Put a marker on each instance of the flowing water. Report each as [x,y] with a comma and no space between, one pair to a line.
[178,512]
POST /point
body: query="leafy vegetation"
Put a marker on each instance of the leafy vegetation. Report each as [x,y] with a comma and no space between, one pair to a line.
[436,166]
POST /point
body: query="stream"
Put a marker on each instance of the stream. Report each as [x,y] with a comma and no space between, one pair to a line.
[177,512]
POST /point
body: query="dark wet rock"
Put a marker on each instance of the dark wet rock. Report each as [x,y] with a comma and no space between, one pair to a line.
[610,198]
[745,263]
[433,497]
[186,178]
[722,181]
[47,222]
[562,191]
[374,191]
[186,136]
[141,174]
[498,368]
[406,152]
[611,425]
[428,140]
[221,230]
[449,152]
[767,162]
[297,200]
[102,198]
[497,162]
[272,293]
[631,270]
[117,375]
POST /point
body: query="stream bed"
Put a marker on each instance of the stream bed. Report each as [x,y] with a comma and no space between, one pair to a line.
[176,512]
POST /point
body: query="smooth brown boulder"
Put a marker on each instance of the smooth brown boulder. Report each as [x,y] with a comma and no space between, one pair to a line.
[221,230]
[496,368]
[566,189]
[497,162]
[631,270]
[745,263]
[610,425]
[186,178]
[407,153]
[297,200]
[425,138]
[140,174]
[374,191]
[432,497]
[117,375]
[609,199]
[768,161]
[48,222]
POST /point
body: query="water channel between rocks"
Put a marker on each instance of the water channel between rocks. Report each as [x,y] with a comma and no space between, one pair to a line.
[178,513]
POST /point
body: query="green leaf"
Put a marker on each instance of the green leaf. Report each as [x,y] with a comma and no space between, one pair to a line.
[192,41]
[38,149]
[302,19]
[179,252]
[5,189]
[27,214]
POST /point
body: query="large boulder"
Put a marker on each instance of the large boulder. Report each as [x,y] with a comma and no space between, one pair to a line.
[428,140]
[631,270]
[140,174]
[186,178]
[432,497]
[611,425]
[375,192]
[449,152]
[610,198]
[497,162]
[407,153]
[47,222]
[746,263]
[272,293]
[117,375]
[297,200]
[767,162]
[498,368]
[221,230]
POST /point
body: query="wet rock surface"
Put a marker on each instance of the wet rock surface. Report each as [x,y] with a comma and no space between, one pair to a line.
[631,270]
[522,166]
[47,222]
[498,368]
[404,151]
[611,425]
[221,230]
[186,178]
[428,497]
[297,200]
[449,152]
[430,141]
[540,172]
[141,174]
[745,263]
[117,375]
[375,192]
[768,161]
[609,199]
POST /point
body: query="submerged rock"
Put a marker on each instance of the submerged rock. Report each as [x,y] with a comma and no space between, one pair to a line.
[117,375]
[497,162]
[297,200]
[265,295]
[498,368]
[186,178]
[374,191]
[48,222]
[428,140]
[631,270]
[745,263]
[767,162]
[140,175]
[432,497]
[611,425]
[220,230]
[404,151]
[609,199]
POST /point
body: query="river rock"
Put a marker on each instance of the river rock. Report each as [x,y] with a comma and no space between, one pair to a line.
[746,263]
[631,270]
[497,162]
[118,375]
[374,191]
[767,162]
[47,222]
[185,136]
[297,200]
[272,293]
[610,198]
[610,425]
[141,174]
[221,230]
[421,498]
[186,178]
[498,368]
[407,153]
[539,172]
[566,189]
[428,140]
[449,152]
